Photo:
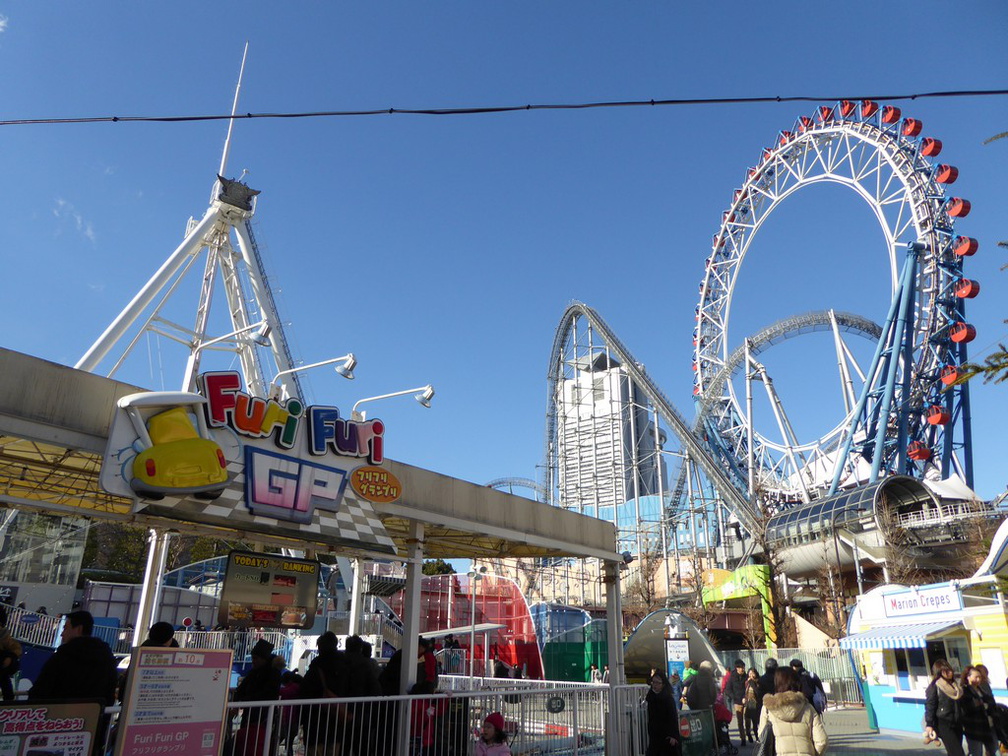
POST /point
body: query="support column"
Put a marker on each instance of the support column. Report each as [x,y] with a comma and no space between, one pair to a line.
[411,609]
[411,630]
[355,599]
[614,640]
[150,595]
[614,626]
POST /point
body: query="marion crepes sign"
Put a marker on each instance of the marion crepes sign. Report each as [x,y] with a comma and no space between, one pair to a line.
[923,600]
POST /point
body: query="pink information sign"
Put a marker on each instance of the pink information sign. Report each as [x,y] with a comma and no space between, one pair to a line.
[175,702]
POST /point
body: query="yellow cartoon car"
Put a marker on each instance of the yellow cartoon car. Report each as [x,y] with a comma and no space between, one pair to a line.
[177,456]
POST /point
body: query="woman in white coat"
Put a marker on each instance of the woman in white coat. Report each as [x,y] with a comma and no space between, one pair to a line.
[798,728]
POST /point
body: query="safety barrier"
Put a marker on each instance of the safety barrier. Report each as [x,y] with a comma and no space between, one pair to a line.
[832,665]
[542,720]
[32,627]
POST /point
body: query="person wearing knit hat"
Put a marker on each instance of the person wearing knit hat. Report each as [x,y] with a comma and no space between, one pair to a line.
[493,739]
[161,634]
[263,649]
[261,683]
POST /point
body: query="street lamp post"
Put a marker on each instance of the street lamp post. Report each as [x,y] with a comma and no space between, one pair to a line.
[262,331]
[423,395]
[349,362]
[474,577]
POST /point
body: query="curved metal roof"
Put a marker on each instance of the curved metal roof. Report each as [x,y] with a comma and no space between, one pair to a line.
[847,507]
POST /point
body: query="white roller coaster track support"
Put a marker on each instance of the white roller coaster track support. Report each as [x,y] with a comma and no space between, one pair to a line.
[787,430]
[783,425]
[846,384]
[750,454]
[662,509]
[191,245]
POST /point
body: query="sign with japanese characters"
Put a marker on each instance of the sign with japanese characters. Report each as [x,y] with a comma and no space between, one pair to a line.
[175,702]
[676,654]
[269,591]
[228,459]
[696,732]
[53,729]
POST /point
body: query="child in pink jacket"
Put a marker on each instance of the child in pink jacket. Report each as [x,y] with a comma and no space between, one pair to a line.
[493,741]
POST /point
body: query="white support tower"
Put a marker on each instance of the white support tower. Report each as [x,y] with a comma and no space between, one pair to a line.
[256,337]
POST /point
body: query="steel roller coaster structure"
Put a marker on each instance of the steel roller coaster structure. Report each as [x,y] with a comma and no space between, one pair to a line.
[906,415]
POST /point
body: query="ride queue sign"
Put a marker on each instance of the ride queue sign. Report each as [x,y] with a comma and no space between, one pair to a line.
[175,703]
[59,729]
[269,591]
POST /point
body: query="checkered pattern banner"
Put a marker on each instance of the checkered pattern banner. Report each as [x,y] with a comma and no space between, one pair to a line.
[353,524]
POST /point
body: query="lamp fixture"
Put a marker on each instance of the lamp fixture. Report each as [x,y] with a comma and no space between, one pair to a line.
[261,333]
[346,368]
[423,395]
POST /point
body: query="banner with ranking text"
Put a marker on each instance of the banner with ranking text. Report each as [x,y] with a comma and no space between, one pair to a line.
[175,702]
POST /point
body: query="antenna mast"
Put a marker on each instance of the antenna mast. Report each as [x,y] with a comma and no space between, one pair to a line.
[256,337]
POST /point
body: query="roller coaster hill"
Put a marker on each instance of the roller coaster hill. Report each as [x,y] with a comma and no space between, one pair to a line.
[891,477]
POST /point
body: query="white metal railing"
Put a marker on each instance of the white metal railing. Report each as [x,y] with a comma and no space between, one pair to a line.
[943,514]
[628,721]
[43,630]
[452,661]
[31,627]
[464,682]
[831,664]
[239,642]
[542,721]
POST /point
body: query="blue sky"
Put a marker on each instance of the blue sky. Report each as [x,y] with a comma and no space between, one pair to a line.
[445,250]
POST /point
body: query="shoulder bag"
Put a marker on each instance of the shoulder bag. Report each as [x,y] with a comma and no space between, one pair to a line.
[767,743]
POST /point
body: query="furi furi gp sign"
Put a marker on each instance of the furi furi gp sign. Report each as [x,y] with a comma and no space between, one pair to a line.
[224,457]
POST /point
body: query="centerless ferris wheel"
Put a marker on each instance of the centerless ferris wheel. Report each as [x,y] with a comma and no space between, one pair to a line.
[907,412]
[910,415]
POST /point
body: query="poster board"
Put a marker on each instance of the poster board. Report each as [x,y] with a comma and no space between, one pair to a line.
[55,729]
[696,732]
[676,654]
[175,702]
[269,591]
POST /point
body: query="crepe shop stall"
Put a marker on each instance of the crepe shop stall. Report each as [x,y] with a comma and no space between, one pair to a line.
[896,633]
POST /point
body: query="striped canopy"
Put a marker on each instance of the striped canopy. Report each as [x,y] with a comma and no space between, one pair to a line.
[899,636]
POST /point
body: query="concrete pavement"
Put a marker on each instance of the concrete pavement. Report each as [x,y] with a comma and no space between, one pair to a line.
[849,735]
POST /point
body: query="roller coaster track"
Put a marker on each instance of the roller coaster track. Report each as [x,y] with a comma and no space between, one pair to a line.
[695,447]
[787,328]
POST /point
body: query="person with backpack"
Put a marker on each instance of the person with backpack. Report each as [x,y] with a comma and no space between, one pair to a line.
[703,690]
[811,686]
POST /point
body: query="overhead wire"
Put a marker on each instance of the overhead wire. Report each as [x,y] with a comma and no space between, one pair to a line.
[493,109]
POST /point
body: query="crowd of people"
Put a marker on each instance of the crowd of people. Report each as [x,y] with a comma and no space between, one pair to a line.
[958,708]
[84,667]
[788,701]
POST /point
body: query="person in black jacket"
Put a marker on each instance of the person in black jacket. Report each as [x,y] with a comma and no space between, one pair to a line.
[766,681]
[975,710]
[262,683]
[941,708]
[663,718]
[82,667]
[735,691]
[703,691]
[326,678]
